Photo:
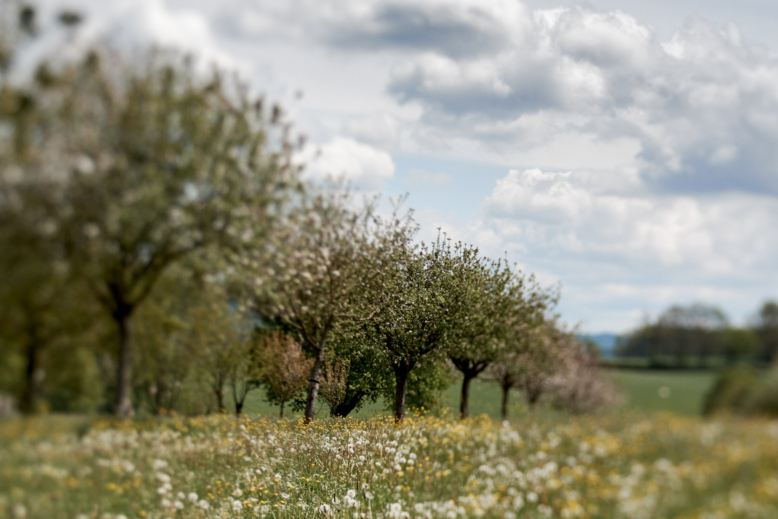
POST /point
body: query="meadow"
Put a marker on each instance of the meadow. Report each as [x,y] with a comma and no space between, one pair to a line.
[620,465]
[625,463]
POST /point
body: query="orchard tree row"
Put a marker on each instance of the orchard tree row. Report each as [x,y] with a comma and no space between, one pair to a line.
[159,244]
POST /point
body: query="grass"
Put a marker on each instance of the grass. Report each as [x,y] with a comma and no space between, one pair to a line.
[679,392]
[622,465]
[637,462]
[640,387]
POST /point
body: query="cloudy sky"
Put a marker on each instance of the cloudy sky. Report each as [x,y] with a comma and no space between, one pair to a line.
[628,149]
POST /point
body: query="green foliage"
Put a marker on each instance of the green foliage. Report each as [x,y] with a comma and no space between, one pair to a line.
[739,343]
[734,391]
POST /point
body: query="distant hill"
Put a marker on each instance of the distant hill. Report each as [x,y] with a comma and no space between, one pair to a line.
[606,342]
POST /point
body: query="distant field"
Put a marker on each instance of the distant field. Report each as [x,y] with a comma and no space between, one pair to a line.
[680,392]
[641,388]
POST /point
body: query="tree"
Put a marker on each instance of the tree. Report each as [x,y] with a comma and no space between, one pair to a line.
[144,165]
[333,384]
[579,385]
[692,329]
[766,327]
[506,374]
[500,302]
[416,303]
[222,340]
[313,276]
[739,343]
[533,355]
[285,368]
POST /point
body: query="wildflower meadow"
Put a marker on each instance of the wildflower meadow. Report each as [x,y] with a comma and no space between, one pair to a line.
[620,465]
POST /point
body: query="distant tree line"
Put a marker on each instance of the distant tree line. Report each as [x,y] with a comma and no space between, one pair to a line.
[162,252]
[701,336]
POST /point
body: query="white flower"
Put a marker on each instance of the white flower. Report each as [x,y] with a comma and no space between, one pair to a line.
[181,496]
[238,492]
[351,493]
[178,505]
[335,501]
[284,495]
[368,495]
[324,509]
[192,497]
[203,504]
[237,506]
[532,497]
[396,512]
[164,503]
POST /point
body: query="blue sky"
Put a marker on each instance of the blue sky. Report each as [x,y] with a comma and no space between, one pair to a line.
[628,149]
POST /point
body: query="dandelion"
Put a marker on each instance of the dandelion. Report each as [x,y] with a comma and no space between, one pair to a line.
[237,506]
[192,497]
[203,504]
[284,496]
[335,501]
[324,509]
[351,494]
[396,511]
[178,505]
[368,495]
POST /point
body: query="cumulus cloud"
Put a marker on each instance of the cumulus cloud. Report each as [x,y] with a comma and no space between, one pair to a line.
[717,234]
[134,24]
[701,105]
[360,165]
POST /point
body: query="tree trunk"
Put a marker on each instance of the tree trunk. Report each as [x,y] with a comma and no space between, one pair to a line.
[505,392]
[282,408]
[124,367]
[401,372]
[239,400]
[27,403]
[344,408]
[219,391]
[464,396]
[313,388]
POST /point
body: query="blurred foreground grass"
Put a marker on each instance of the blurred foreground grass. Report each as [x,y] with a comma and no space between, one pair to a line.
[618,465]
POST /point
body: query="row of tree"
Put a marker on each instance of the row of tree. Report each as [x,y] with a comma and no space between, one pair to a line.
[702,335]
[154,225]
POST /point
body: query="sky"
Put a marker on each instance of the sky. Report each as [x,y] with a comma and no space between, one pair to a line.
[625,149]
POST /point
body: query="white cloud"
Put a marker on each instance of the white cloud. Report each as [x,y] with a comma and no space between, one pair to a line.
[715,234]
[378,129]
[360,165]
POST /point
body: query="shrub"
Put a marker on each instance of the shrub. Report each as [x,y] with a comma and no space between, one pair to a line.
[734,391]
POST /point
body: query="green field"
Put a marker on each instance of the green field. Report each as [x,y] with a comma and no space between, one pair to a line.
[645,390]
[641,389]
